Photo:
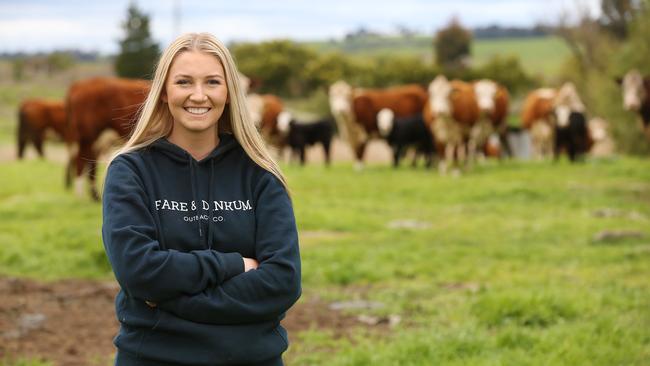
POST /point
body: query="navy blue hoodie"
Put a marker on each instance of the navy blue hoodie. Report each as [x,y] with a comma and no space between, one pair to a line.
[175,231]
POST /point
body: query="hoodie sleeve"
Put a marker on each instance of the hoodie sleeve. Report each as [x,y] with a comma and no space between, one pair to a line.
[261,294]
[144,269]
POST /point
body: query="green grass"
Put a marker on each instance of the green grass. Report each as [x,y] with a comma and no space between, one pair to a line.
[503,270]
[539,56]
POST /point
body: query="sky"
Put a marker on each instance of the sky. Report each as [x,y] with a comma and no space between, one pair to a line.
[46,25]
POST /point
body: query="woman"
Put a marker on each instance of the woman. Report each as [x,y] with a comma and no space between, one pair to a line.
[197,222]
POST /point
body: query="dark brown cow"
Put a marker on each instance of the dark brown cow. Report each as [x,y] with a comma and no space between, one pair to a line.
[35,117]
[355,110]
[451,112]
[636,97]
[93,106]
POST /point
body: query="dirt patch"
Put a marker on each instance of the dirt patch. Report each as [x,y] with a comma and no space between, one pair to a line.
[72,322]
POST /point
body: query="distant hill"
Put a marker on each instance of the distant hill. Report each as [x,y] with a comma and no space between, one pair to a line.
[539,54]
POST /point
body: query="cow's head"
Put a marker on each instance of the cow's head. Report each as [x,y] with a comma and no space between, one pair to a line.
[566,102]
[485,91]
[439,91]
[633,90]
[284,122]
[340,96]
[385,120]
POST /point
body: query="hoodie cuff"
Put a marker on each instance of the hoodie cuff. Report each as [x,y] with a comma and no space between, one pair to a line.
[233,264]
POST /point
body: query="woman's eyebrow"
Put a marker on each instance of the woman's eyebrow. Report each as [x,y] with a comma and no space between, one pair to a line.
[207,76]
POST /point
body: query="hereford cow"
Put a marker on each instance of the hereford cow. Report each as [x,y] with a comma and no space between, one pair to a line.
[355,110]
[450,113]
[493,101]
[537,115]
[636,97]
[96,105]
[35,117]
[405,132]
[264,110]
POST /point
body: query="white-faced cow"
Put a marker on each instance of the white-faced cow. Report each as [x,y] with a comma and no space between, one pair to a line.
[636,97]
[450,112]
[493,101]
[571,130]
[406,132]
[537,115]
[355,110]
[300,134]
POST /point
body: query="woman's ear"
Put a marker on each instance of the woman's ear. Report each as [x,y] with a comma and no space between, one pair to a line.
[163,96]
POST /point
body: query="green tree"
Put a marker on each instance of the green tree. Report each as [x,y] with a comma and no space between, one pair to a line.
[452,45]
[279,65]
[138,51]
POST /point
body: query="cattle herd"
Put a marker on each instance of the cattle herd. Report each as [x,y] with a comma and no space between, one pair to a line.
[452,122]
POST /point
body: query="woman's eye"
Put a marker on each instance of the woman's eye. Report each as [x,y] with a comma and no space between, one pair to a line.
[214,82]
[182,82]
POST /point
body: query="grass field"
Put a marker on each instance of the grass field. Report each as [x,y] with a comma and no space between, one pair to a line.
[497,267]
[539,56]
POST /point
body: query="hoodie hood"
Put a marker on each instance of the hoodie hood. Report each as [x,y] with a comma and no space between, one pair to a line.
[227,142]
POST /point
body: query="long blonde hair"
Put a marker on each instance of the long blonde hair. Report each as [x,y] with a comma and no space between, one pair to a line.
[155,120]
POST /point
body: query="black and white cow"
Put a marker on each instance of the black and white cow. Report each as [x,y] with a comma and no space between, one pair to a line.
[571,129]
[401,133]
[300,135]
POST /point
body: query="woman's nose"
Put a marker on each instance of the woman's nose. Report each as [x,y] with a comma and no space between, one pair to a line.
[198,94]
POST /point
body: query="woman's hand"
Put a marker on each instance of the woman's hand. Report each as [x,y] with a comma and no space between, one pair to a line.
[250,263]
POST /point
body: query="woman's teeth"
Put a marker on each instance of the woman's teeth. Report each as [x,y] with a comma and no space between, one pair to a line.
[195,110]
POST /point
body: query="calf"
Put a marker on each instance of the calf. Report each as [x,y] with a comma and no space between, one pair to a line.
[301,135]
[571,130]
[35,117]
[573,137]
[401,133]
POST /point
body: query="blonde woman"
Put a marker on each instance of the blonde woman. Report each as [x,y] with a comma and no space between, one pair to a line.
[197,222]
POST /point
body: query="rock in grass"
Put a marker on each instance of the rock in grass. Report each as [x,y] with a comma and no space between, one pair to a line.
[611,236]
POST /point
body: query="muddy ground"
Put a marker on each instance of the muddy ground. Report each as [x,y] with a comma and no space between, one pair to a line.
[72,322]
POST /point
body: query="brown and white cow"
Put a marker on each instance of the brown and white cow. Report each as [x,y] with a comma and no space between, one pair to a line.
[493,101]
[537,115]
[94,106]
[35,118]
[451,112]
[264,109]
[636,97]
[355,110]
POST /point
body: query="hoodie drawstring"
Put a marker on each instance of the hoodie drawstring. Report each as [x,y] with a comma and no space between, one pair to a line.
[210,210]
[193,188]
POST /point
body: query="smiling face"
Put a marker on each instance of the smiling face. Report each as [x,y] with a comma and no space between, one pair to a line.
[196,93]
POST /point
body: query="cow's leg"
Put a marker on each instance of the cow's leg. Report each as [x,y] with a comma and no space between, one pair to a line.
[38,143]
[301,154]
[92,178]
[397,154]
[326,150]
[359,151]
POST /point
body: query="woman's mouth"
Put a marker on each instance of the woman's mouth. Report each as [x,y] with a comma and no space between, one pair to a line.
[197,110]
